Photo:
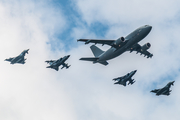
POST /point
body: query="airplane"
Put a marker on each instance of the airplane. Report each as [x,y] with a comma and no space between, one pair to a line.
[119,46]
[123,80]
[165,90]
[19,59]
[54,64]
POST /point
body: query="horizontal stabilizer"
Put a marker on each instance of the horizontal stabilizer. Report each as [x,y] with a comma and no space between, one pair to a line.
[48,67]
[103,62]
[55,68]
[116,83]
[89,59]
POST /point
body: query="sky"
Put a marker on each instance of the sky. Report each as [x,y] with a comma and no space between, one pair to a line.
[85,91]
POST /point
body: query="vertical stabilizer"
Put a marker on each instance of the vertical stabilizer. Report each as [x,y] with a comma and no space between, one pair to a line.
[96,51]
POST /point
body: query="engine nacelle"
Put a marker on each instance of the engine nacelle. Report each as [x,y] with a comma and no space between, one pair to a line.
[118,42]
[145,47]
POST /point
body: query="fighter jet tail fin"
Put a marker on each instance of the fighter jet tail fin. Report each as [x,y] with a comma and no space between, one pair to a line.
[96,51]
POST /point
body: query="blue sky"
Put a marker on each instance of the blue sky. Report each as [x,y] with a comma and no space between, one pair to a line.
[85,91]
[72,16]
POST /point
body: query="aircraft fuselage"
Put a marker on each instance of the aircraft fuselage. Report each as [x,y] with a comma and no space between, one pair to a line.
[127,77]
[60,61]
[131,39]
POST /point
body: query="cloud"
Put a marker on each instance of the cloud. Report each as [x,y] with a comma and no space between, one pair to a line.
[126,12]
[133,102]
[30,91]
[86,90]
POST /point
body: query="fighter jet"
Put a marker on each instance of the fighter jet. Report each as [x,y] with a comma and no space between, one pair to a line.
[19,59]
[119,46]
[123,80]
[165,90]
[54,64]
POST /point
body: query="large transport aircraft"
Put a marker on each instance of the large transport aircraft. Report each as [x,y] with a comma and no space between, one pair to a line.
[119,46]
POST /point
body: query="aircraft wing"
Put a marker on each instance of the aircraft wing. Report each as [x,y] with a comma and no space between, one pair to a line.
[97,41]
[50,61]
[9,59]
[116,79]
[166,93]
[155,91]
[138,49]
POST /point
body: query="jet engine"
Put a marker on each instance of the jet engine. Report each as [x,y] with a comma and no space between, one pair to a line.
[145,46]
[118,42]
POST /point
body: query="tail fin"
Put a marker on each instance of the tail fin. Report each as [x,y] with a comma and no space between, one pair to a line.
[96,51]
[103,62]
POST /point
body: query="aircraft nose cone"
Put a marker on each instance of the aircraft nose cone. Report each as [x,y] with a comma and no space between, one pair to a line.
[135,71]
[148,28]
[68,56]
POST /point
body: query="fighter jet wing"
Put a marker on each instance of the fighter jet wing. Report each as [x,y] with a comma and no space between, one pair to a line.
[138,49]
[167,93]
[9,59]
[116,79]
[155,91]
[50,61]
[97,41]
